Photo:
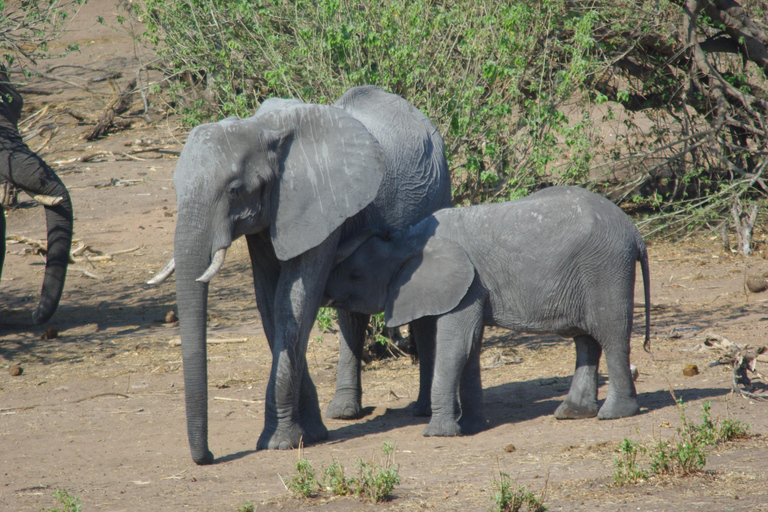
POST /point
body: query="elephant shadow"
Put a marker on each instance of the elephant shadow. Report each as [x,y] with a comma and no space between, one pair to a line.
[515,402]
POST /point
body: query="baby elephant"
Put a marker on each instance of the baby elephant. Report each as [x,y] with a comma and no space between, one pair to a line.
[561,261]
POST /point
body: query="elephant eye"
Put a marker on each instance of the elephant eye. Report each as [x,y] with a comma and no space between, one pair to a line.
[235,189]
[355,275]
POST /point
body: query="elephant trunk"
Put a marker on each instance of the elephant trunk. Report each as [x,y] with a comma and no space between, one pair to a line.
[192,256]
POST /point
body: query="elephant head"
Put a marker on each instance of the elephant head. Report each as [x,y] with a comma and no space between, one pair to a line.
[407,276]
[295,171]
[31,174]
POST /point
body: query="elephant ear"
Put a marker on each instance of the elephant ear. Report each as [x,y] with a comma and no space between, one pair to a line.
[331,167]
[431,281]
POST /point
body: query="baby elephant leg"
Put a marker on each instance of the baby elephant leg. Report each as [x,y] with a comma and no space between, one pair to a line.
[472,418]
[581,401]
[457,334]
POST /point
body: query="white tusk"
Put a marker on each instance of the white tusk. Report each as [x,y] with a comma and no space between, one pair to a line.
[163,275]
[216,264]
[48,200]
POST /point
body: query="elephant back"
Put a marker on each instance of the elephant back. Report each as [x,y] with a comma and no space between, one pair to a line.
[416,180]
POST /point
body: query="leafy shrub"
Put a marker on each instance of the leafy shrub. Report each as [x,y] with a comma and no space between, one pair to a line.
[490,75]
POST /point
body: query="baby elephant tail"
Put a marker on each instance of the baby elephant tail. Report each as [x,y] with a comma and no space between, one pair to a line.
[642,257]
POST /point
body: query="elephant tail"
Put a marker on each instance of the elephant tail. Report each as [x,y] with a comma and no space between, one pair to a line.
[642,257]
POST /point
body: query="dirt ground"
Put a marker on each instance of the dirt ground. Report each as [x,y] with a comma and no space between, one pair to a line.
[99,410]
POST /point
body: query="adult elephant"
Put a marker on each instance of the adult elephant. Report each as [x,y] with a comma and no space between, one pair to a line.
[296,179]
[20,166]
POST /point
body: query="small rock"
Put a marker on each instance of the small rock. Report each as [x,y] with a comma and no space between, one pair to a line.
[635,371]
[170,317]
[50,333]
[757,284]
[690,370]
[15,370]
[510,448]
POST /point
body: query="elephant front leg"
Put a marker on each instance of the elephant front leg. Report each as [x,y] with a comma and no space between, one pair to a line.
[457,345]
[292,413]
[472,418]
[347,401]
[581,401]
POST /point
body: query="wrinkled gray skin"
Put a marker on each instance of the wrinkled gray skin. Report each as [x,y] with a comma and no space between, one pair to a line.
[559,261]
[22,167]
[296,179]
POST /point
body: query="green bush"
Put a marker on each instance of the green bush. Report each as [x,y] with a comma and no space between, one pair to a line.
[512,86]
[488,74]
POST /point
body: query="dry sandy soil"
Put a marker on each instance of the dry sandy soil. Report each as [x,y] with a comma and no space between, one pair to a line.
[99,410]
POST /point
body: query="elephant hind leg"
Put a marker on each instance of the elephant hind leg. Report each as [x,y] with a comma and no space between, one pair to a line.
[581,401]
[622,395]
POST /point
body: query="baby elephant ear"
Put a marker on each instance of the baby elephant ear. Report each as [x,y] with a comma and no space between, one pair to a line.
[431,281]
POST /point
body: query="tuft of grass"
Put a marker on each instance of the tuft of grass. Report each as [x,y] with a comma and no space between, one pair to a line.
[509,498]
[69,503]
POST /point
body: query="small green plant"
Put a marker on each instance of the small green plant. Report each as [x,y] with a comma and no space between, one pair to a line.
[336,482]
[324,321]
[304,482]
[684,455]
[247,507]
[710,433]
[627,470]
[377,325]
[68,502]
[376,482]
[509,498]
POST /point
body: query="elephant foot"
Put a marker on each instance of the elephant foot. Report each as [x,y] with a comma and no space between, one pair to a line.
[442,428]
[204,459]
[290,437]
[472,425]
[344,408]
[571,411]
[311,422]
[614,408]
[421,408]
